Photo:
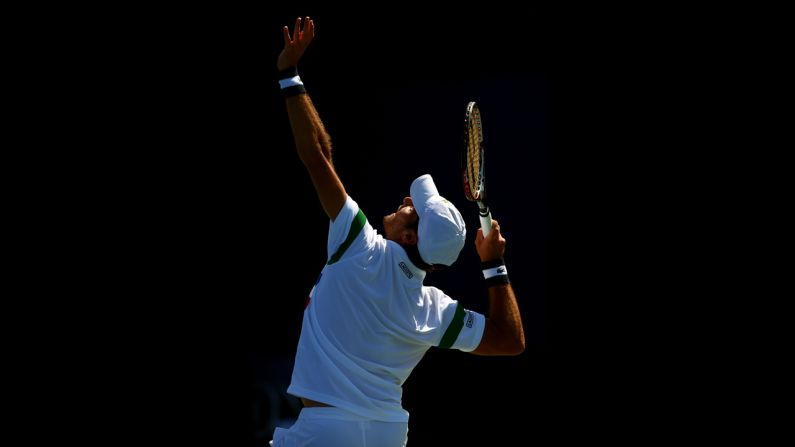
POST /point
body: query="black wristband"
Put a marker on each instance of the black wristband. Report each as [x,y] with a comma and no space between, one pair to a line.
[289,72]
[497,281]
[287,77]
[292,91]
[495,272]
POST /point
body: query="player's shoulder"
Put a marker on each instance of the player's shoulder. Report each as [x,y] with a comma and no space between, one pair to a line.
[349,207]
[432,292]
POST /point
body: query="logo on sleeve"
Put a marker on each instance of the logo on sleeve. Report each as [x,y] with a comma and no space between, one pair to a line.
[470,319]
[406,270]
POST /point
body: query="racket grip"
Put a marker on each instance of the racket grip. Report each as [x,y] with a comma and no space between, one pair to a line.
[485,223]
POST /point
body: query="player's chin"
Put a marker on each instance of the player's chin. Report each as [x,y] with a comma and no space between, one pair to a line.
[386,221]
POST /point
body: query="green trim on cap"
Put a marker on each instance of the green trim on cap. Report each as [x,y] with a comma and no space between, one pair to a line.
[454,329]
[356,227]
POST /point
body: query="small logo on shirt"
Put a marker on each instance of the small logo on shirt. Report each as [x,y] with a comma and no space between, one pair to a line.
[470,320]
[406,270]
[501,269]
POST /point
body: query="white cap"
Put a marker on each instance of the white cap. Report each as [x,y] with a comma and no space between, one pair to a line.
[441,232]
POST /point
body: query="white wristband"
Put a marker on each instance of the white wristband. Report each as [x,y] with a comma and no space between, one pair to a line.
[289,82]
[495,271]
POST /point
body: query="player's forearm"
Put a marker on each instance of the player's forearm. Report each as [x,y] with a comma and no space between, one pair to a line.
[311,138]
[504,315]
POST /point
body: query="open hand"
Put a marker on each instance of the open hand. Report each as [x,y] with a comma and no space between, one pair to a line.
[294,47]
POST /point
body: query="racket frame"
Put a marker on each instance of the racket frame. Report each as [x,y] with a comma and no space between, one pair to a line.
[477,195]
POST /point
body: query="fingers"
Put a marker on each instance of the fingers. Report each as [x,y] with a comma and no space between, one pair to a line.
[495,236]
[311,31]
[495,228]
[492,246]
[299,32]
[297,29]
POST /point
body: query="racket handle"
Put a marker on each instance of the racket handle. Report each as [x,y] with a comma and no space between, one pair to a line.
[485,223]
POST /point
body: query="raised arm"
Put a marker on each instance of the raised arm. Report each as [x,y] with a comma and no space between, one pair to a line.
[311,139]
[504,334]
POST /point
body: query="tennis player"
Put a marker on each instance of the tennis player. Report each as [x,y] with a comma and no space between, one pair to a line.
[369,319]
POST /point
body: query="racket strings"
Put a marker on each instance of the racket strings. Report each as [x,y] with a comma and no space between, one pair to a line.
[474,154]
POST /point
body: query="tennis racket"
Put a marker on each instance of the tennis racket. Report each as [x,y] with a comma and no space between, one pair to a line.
[472,165]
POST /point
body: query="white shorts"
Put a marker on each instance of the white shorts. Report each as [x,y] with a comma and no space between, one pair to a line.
[331,427]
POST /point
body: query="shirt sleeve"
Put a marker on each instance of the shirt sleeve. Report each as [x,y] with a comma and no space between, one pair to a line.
[458,328]
[348,232]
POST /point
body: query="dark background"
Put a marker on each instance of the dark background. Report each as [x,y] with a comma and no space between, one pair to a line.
[208,230]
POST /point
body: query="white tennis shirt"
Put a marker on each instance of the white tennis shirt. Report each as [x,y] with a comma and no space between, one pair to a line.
[370,320]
